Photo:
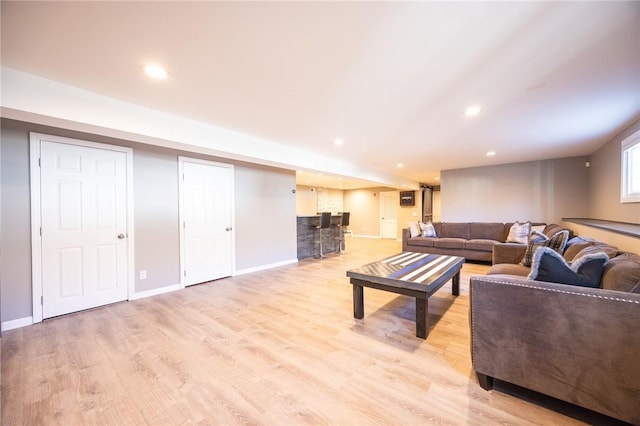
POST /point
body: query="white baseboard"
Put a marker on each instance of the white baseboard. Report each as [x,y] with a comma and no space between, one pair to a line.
[263,267]
[17,323]
[367,236]
[155,292]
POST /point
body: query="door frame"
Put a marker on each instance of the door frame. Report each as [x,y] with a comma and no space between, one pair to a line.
[36,220]
[181,161]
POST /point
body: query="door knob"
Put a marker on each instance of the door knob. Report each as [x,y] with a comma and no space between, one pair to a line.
[121,236]
[228,229]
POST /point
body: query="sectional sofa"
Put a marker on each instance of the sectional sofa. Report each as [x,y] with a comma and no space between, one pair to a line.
[471,240]
[574,343]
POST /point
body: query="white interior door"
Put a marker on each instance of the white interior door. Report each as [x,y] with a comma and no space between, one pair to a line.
[389,214]
[206,214]
[83,213]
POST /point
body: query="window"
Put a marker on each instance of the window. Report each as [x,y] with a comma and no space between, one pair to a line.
[631,169]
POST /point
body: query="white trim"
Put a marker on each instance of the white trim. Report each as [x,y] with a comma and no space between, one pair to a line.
[377,237]
[17,323]
[36,240]
[264,267]
[631,141]
[155,292]
[181,161]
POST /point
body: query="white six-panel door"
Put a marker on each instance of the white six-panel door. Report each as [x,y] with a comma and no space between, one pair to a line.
[83,215]
[389,215]
[206,220]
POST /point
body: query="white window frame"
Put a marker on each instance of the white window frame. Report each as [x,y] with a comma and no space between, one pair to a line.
[629,143]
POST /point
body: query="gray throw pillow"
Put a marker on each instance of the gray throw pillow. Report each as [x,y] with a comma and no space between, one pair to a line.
[548,265]
[557,242]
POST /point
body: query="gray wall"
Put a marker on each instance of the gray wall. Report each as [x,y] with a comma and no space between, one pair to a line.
[15,270]
[156,224]
[605,180]
[265,215]
[540,191]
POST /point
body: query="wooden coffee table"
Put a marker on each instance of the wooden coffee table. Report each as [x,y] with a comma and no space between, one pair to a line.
[417,275]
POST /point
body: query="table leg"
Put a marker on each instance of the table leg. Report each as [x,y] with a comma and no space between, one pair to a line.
[358,302]
[455,284]
[422,320]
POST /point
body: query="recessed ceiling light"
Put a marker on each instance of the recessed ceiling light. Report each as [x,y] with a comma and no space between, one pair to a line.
[491,153]
[472,110]
[338,141]
[437,178]
[156,71]
[399,165]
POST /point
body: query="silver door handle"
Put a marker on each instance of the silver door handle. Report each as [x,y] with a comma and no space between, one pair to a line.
[228,229]
[121,236]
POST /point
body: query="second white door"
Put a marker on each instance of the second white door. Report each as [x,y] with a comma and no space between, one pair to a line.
[206,220]
[389,215]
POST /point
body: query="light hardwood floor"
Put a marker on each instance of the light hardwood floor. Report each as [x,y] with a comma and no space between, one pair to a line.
[275,347]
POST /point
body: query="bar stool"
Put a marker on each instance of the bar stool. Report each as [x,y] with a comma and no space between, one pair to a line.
[325,223]
[342,227]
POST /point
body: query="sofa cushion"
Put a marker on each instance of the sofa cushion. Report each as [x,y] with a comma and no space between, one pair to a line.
[454,230]
[421,241]
[622,273]
[596,247]
[486,231]
[552,229]
[549,265]
[509,269]
[452,243]
[519,233]
[480,244]
[428,230]
[575,245]
[557,242]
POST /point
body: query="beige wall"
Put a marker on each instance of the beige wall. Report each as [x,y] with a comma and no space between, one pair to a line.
[541,191]
[306,201]
[310,200]
[605,180]
[364,206]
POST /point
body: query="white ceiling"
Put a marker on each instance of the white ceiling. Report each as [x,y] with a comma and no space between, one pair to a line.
[555,79]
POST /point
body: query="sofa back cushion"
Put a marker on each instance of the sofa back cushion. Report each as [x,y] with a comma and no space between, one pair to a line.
[622,273]
[486,231]
[455,230]
[553,228]
[575,245]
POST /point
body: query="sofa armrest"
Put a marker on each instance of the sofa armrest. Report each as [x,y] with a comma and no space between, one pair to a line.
[576,344]
[508,253]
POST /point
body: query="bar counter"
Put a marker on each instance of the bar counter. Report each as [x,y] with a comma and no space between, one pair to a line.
[307,236]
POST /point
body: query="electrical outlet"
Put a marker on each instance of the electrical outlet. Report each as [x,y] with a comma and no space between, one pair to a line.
[143,275]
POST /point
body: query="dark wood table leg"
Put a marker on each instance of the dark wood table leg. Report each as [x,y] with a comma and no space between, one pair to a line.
[422,321]
[358,301]
[455,284]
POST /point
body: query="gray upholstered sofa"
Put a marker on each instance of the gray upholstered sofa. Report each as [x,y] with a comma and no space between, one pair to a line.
[577,344]
[472,240]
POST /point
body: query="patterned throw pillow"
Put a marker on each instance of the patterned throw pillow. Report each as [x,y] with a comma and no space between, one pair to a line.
[519,233]
[428,230]
[557,242]
[414,229]
[550,266]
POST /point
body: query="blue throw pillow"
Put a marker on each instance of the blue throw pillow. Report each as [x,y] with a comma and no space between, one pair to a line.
[548,265]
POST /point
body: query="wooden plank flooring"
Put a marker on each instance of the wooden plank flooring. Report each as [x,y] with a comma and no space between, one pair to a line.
[277,347]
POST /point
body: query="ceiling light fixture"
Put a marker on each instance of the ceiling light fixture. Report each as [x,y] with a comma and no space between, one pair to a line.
[156,71]
[399,165]
[491,153]
[472,110]
[338,141]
